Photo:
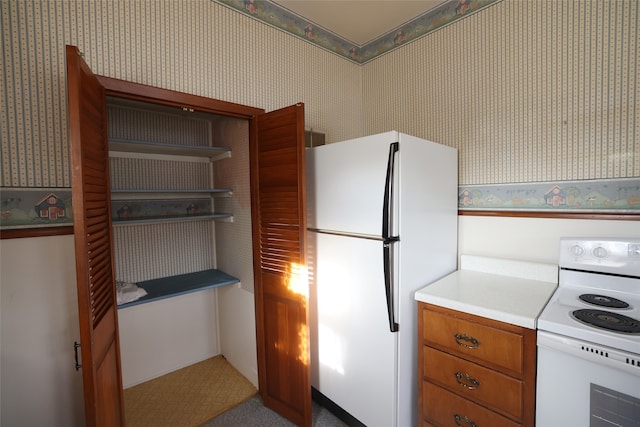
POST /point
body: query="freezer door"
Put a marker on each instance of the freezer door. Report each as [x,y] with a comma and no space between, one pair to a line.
[353,351]
[346,184]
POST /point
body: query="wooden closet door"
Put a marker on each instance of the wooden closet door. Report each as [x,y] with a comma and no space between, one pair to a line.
[101,370]
[279,229]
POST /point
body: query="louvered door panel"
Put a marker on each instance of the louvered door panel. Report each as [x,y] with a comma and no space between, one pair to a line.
[279,195]
[279,229]
[91,165]
[101,371]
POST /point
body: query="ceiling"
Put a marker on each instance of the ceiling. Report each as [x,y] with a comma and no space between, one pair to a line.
[359,21]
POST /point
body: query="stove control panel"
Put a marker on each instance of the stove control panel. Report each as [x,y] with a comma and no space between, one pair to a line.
[614,255]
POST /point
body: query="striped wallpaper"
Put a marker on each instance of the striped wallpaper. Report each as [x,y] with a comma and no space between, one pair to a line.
[194,46]
[528,91]
[150,251]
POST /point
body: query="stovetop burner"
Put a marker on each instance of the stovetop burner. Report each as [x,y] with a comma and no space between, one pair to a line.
[603,301]
[608,320]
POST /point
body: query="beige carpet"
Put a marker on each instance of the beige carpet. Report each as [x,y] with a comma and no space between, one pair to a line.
[188,397]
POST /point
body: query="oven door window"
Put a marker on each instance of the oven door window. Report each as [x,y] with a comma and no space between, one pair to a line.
[612,408]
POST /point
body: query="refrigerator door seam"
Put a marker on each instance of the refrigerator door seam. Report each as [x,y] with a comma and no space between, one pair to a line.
[340,233]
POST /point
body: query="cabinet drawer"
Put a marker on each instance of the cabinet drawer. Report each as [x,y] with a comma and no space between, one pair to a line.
[486,344]
[485,386]
[441,408]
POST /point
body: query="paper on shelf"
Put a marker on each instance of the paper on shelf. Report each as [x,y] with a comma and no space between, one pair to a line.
[128,292]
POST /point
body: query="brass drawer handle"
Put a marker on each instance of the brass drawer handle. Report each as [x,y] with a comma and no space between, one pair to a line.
[467,422]
[463,337]
[467,381]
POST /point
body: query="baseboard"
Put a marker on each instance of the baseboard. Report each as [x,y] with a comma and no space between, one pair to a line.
[335,409]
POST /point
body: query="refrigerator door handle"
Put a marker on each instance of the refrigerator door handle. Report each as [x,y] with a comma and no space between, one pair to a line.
[388,240]
[387,205]
[389,287]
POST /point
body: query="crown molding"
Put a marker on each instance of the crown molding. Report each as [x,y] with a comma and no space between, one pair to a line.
[285,20]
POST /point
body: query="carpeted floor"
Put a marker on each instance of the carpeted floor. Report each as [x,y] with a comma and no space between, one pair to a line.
[188,397]
[253,414]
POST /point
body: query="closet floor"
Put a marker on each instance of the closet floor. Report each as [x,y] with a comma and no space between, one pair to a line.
[187,397]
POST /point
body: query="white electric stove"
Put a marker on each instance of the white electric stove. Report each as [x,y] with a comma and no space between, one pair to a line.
[589,337]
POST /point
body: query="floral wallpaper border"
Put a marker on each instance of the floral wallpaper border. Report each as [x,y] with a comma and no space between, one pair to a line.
[290,22]
[594,196]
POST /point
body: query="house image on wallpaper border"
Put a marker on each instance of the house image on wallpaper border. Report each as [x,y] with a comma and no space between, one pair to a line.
[50,207]
[555,197]
[465,198]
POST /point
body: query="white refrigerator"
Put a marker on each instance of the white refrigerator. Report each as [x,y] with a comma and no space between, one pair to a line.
[382,223]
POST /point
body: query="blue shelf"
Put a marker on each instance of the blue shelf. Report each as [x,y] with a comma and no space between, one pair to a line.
[172,286]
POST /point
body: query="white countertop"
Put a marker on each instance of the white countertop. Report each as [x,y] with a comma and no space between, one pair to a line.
[505,290]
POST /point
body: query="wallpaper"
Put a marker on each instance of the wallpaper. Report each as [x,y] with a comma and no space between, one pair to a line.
[531,93]
[194,46]
[536,94]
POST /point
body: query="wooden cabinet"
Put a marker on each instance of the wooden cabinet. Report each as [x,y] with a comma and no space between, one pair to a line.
[474,371]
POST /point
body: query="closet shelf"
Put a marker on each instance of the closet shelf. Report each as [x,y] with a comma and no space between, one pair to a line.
[171,194]
[131,146]
[173,286]
[172,218]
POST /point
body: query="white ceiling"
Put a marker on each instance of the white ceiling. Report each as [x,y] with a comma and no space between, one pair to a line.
[359,21]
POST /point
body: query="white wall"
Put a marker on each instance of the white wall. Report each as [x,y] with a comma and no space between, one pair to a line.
[162,336]
[532,239]
[39,313]
[236,313]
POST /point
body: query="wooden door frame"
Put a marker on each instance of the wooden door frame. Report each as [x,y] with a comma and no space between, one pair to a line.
[139,92]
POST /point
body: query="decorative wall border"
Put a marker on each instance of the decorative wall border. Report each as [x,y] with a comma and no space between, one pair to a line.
[284,19]
[28,208]
[620,196]
[40,208]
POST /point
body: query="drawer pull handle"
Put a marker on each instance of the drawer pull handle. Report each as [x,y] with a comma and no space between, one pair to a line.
[467,422]
[467,381]
[463,337]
